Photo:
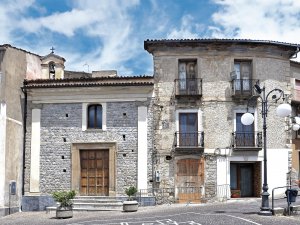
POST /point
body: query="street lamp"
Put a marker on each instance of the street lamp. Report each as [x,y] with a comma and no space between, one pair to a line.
[282,110]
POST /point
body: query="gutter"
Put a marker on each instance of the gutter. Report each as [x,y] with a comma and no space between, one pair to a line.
[24,136]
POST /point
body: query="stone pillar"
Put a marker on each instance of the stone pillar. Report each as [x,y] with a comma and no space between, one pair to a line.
[35,151]
[142,147]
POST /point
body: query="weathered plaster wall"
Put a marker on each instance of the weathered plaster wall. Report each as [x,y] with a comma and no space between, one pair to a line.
[34,69]
[214,65]
[13,69]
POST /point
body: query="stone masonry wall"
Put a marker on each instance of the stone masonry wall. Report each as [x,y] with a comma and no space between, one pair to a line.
[217,107]
[61,125]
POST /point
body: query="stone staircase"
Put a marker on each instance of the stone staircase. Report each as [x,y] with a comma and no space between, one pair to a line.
[95,203]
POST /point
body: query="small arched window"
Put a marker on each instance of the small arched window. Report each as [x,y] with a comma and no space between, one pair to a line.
[95,116]
[51,70]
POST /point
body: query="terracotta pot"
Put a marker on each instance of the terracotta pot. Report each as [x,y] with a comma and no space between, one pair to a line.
[235,195]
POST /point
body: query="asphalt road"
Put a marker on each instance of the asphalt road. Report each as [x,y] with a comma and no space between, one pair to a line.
[236,212]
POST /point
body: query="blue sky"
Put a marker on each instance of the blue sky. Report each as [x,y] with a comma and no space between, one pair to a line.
[109,34]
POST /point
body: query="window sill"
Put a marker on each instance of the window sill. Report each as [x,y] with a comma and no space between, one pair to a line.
[93,130]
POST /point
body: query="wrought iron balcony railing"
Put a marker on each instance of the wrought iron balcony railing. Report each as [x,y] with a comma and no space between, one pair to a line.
[242,87]
[247,139]
[194,139]
[188,87]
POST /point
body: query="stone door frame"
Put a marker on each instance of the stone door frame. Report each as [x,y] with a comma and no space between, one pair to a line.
[76,170]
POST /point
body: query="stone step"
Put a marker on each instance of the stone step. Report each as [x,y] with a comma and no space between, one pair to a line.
[100,197]
[53,208]
[99,206]
[95,203]
[90,200]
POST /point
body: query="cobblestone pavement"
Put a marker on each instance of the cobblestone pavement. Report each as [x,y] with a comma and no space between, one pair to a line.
[233,212]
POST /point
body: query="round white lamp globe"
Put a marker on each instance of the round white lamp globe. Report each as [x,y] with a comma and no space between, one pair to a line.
[247,118]
[297,119]
[296,127]
[284,110]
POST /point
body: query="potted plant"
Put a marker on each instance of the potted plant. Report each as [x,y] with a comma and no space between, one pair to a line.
[235,193]
[130,205]
[65,208]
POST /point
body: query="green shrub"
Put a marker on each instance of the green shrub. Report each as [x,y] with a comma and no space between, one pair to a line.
[131,191]
[64,198]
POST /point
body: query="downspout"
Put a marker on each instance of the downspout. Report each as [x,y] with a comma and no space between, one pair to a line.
[294,55]
[24,136]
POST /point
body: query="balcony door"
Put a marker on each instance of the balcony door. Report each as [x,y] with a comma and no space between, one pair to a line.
[242,83]
[244,133]
[188,129]
[187,77]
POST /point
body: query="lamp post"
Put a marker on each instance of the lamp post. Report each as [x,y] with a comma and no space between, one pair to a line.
[282,110]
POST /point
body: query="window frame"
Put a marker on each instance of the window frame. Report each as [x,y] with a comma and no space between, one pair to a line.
[186,78]
[85,107]
[242,111]
[94,117]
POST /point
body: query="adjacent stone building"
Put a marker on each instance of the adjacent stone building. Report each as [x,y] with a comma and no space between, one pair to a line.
[201,91]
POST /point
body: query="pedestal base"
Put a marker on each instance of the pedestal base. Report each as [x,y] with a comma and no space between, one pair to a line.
[265,212]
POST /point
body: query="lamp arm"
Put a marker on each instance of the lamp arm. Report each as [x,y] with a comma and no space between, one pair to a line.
[277,98]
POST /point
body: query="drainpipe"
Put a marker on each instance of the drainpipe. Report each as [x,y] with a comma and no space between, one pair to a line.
[294,55]
[24,135]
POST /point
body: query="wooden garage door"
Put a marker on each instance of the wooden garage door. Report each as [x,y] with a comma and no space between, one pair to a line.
[94,172]
[190,177]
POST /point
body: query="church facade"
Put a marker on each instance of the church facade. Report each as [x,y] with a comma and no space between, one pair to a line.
[92,134]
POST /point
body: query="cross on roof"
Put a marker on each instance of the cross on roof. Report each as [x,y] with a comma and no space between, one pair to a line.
[52,50]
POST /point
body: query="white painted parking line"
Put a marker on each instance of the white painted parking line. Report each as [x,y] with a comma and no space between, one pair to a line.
[244,219]
[161,220]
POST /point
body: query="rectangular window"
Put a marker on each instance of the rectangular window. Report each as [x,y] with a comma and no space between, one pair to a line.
[243,75]
[244,135]
[187,73]
[188,129]
[95,116]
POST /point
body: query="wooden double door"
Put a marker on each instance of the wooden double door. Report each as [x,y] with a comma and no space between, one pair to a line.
[190,178]
[94,166]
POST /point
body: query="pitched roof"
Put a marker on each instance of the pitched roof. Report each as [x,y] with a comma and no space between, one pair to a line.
[89,82]
[20,49]
[197,42]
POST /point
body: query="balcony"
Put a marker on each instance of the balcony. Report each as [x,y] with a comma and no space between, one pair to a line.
[242,88]
[251,141]
[188,87]
[189,142]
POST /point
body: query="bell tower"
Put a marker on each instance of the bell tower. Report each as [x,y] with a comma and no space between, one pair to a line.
[53,66]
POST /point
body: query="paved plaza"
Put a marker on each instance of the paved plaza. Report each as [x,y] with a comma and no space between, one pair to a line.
[233,212]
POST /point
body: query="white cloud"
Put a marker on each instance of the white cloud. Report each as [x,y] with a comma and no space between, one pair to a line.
[65,23]
[10,12]
[188,29]
[107,22]
[277,20]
